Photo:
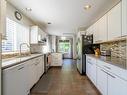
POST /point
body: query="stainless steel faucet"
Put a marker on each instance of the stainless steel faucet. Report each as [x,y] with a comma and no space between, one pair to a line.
[21,47]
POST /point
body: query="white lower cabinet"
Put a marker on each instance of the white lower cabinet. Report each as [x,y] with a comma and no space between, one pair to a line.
[19,79]
[14,81]
[110,84]
[108,80]
[102,81]
[91,69]
[37,68]
[116,85]
[56,59]
[31,74]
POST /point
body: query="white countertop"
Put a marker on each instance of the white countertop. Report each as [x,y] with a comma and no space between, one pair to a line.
[6,63]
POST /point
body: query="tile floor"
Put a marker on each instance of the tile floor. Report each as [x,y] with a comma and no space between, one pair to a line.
[67,81]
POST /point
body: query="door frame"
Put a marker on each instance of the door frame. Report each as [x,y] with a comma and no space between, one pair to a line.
[71,42]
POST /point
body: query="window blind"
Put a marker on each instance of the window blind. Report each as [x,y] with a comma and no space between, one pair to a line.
[16,34]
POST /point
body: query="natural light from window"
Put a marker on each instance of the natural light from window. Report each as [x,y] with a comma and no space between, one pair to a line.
[16,34]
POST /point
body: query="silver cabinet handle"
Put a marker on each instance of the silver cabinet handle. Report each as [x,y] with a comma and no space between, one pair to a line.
[90,63]
[103,71]
[111,75]
[37,63]
[108,73]
[21,68]
[107,67]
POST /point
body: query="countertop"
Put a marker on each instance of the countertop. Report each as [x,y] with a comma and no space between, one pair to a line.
[6,63]
[119,62]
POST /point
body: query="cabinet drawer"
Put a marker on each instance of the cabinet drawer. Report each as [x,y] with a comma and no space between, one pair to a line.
[122,73]
[91,60]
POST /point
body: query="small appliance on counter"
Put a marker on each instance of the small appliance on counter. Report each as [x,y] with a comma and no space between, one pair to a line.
[106,52]
[97,52]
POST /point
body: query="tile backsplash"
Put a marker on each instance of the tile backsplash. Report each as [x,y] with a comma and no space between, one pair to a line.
[36,48]
[118,48]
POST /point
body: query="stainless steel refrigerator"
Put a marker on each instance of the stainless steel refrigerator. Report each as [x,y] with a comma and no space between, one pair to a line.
[84,46]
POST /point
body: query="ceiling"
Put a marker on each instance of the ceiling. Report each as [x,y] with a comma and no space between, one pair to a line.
[66,16]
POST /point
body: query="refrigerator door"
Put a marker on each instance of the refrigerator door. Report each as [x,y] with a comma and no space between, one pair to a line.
[79,55]
[88,39]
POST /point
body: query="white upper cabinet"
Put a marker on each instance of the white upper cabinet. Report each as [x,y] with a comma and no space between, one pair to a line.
[124,17]
[90,30]
[36,35]
[114,22]
[103,33]
[111,26]
[3,18]
[96,32]
[100,30]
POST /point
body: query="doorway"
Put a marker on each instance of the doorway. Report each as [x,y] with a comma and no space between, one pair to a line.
[65,46]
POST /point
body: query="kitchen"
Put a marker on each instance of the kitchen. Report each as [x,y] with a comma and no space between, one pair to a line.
[41,54]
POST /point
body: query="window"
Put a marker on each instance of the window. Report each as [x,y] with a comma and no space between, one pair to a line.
[64,46]
[16,34]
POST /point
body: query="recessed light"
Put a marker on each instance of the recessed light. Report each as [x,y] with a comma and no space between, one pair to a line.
[49,23]
[87,7]
[28,9]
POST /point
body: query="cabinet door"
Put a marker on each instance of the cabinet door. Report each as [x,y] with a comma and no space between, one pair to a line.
[37,72]
[103,33]
[124,17]
[14,81]
[29,71]
[114,22]
[3,18]
[56,59]
[91,69]
[40,67]
[93,72]
[90,30]
[34,35]
[32,73]
[116,85]
[102,81]
[88,68]
[96,32]
[43,67]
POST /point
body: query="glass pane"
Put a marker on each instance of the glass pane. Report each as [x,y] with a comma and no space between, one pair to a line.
[64,46]
[8,45]
[16,34]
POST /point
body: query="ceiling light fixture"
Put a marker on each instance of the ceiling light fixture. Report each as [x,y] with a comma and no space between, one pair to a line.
[87,7]
[63,38]
[49,23]
[28,9]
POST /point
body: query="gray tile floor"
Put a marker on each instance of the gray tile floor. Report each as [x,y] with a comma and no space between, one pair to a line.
[64,81]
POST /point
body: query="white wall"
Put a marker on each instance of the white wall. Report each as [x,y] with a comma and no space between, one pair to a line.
[53,43]
[10,14]
[74,47]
